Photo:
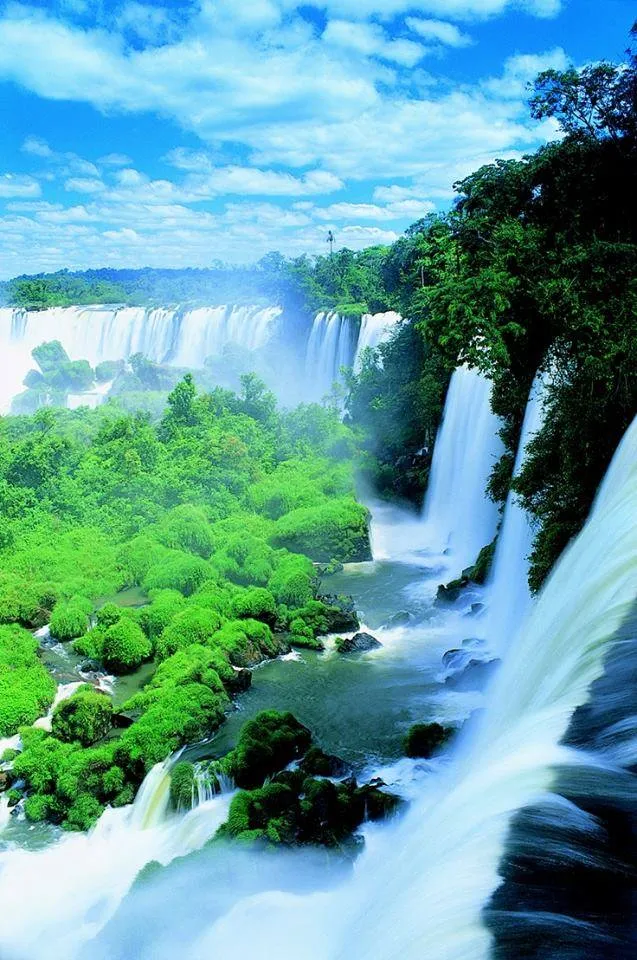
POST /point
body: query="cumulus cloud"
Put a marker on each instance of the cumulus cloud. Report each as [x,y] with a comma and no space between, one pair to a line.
[439,31]
[84,185]
[115,160]
[18,185]
[521,70]
[37,147]
[371,40]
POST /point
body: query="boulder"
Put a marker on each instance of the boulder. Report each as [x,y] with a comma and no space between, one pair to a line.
[340,613]
[359,643]
[475,675]
[425,739]
[400,619]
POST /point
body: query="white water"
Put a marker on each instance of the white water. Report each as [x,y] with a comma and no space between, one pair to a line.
[376,328]
[509,596]
[421,885]
[56,899]
[177,336]
[330,347]
[458,516]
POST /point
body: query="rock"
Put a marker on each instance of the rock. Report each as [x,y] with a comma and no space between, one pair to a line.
[4,780]
[340,613]
[122,721]
[241,681]
[474,610]
[449,593]
[425,739]
[454,658]
[475,675]
[359,643]
[400,619]
[316,763]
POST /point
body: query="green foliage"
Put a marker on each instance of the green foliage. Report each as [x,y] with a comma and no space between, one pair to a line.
[125,647]
[192,625]
[267,743]
[186,528]
[70,619]
[336,529]
[255,603]
[177,572]
[165,605]
[182,785]
[26,688]
[85,717]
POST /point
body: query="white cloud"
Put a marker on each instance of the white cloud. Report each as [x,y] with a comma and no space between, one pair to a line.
[37,147]
[115,160]
[84,185]
[439,31]
[18,185]
[521,70]
[371,40]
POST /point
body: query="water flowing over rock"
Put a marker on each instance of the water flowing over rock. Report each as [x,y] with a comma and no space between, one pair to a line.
[458,516]
[375,329]
[508,587]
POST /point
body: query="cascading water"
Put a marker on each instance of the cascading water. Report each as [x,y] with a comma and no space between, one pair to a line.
[422,884]
[509,596]
[179,336]
[79,881]
[330,347]
[375,329]
[458,515]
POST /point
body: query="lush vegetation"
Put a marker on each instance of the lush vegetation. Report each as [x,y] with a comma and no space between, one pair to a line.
[216,514]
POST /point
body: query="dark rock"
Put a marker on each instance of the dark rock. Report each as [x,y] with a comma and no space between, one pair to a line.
[449,593]
[475,675]
[122,720]
[240,681]
[400,619]
[316,763]
[475,609]
[359,643]
[340,613]
[425,739]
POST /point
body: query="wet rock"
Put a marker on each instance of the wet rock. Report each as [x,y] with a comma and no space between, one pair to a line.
[425,739]
[359,643]
[400,619]
[454,659]
[316,763]
[475,609]
[123,720]
[340,613]
[240,681]
[449,593]
[475,675]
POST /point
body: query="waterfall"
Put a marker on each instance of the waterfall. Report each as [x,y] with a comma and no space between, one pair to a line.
[330,347]
[180,336]
[375,329]
[420,886]
[509,594]
[458,515]
[79,881]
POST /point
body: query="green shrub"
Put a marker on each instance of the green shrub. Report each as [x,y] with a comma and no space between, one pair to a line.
[71,619]
[91,645]
[333,530]
[125,647]
[266,744]
[192,625]
[186,528]
[178,572]
[248,642]
[85,717]
[255,603]
[26,688]
[107,615]
[292,582]
[165,605]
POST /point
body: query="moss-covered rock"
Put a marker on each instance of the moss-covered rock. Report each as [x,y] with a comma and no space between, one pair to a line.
[86,717]
[267,744]
[70,619]
[426,739]
[125,647]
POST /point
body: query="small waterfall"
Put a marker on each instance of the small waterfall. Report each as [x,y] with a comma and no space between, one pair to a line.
[375,329]
[509,595]
[179,336]
[458,515]
[79,881]
[330,347]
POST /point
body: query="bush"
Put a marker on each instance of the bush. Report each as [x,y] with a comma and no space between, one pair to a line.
[26,688]
[85,717]
[248,642]
[108,615]
[256,603]
[165,605]
[192,625]
[187,528]
[178,572]
[71,619]
[292,581]
[182,785]
[334,530]
[125,647]
[266,744]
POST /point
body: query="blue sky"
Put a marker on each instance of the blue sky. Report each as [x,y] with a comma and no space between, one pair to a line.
[177,133]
